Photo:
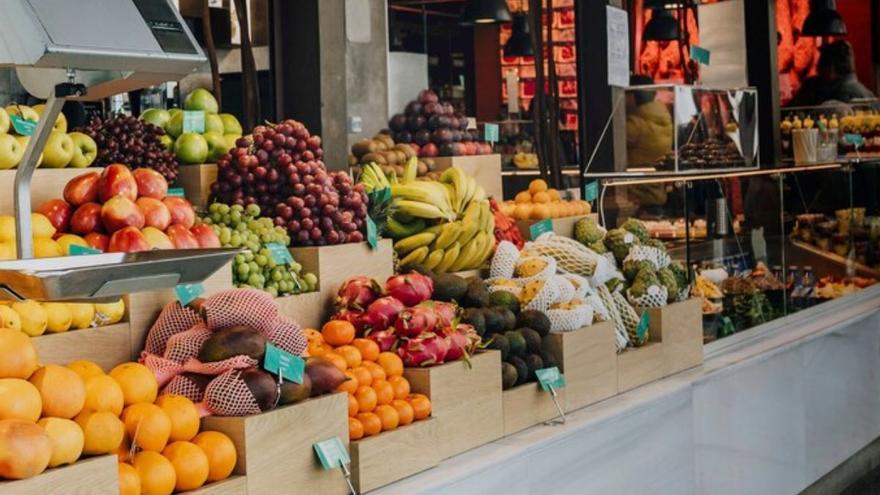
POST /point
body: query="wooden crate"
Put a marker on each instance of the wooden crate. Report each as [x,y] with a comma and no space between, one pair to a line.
[466,401]
[106,346]
[47,183]
[588,359]
[335,264]
[310,310]
[561,226]
[469,273]
[486,169]
[144,307]
[234,485]
[393,455]
[196,182]
[92,476]
[640,365]
[528,405]
[275,449]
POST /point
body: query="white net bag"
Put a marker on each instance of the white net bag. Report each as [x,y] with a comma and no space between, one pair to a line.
[565,291]
[504,261]
[655,297]
[570,255]
[580,284]
[544,297]
[535,268]
[505,288]
[620,332]
[610,258]
[659,258]
[569,320]
[630,319]
[600,311]
[605,270]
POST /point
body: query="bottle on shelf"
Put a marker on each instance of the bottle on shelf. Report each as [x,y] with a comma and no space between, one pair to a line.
[808,287]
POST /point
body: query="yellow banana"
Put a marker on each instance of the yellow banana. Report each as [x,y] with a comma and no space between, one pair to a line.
[470,189]
[448,234]
[488,248]
[449,258]
[415,257]
[419,209]
[479,195]
[411,170]
[414,242]
[434,259]
[421,192]
[467,254]
[470,223]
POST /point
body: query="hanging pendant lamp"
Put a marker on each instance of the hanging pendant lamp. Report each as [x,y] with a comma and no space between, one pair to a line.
[484,12]
[662,26]
[520,42]
[824,20]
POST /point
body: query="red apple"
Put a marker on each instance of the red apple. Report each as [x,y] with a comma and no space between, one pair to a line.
[58,212]
[87,219]
[97,241]
[120,212]
[182,237]
[182,212]
[429,150]
[150,184]
[205,236]
[128,240]
[157,238]
[156,214]
[117,181]
[82,189]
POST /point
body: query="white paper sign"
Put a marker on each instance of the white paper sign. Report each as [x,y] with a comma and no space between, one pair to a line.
[618,47]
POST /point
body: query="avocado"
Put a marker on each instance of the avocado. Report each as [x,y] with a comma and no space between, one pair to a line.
[522,369]
[517,343]
[535,320]
[475,318]
[494,320]
[419,268]
[505,299]
[500,343]
[292,392]
[262,387]
[549,359]
[508,376]
[477,295]
[533,340]
[534,362]
[508,317]
[233,341]
[449,287]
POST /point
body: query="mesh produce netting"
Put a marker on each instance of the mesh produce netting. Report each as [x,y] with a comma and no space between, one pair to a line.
[288,336]
[525,262]
[240,362]
[544,297]
[163,369]
[504,260]
[173,319]
[620,331]
[506,288]
[659,258]
[568,320]
[630,319]
[185,345]
[656,296]
[234,307]
[188,385]
[229,395]
[564,289]
[570,255]
[580,284]
[683,294]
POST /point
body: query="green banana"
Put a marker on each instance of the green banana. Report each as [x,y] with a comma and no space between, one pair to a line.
[448,234]
[398,229]
[415,257]
[434,259]
[449,258]
[414,242]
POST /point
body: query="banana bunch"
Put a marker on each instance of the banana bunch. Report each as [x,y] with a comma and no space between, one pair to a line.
[373,178]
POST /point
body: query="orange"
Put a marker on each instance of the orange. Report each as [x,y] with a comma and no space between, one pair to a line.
[375,370]
[147,425]
[183,414]
[103,431]
[363,375]
[129,480]
[389,417]
[372,423]
[353,406]
[355,429]
[337,360]
[18,358]
[522,211]
[156,473]
[404,411]
[554,195]
[19,399]
[537,185]
[366,398]
[67,440]
[384,391]
[313,335]
[350,385]
[104,394]
[25,449]
[421,406]
[351,354]
[400,386]
[318,348]
[540,212]
[523,197]
[391,363]
[123,452]
[369,349]
[338,332]
[190,465]
[85,368]
[137,382]
[541,197]
[62,391]
[221,453]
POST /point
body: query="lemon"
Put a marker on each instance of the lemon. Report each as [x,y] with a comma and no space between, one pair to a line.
[7,229]
[7,251]
[47,248]
[59,317]
[34,319]
[108,314]
[41,226]
[9,318]
[68,240]
[82,314]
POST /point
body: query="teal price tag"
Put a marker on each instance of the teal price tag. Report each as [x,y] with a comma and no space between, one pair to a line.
[550,378]
[332,454]
[372,233]
[23,126]
[727,326]
[280,254]
[854,139]
[176,191]
[700,54]
[284,364]
[491,133]
[542,227]
[591,191]
[187,293]
[194,121]
[77,250]
[642,327]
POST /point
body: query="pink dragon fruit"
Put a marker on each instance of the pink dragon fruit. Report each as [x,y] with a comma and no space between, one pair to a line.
[356,318]
[411,288]
[382,313]
[463,342]
[357,293]
[427,349]
[445,311]
[386,339]
[415,321]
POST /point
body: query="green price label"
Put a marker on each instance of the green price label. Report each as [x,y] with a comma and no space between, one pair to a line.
[542,227]
[550,378]
[283,363]
[332,453]
[642,327]
[490,133]
[194,121]
[279,252]
[176,191]
[727,326]
[23,126]
[187,293]
[77,250]
[700,54]
[854,139]
[372,233]
[591,191]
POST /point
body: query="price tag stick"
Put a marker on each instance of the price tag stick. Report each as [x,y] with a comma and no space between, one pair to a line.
[278,385]
[347,474]
[555,396]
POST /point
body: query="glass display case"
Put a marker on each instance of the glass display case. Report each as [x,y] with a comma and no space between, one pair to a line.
[833,131]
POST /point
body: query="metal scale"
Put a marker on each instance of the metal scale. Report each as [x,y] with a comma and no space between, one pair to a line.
[64,49]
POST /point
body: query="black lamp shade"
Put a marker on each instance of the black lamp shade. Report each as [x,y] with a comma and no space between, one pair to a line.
[520,42]
[662,27]
[484,12]
[824,20]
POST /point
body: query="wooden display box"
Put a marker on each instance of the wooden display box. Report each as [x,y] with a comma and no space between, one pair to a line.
[47,183]
[470,273]
[106,346]
[310,310]
[528,405]
[486,169]
[196,181]
[563,226]
[275,449]
[93,475]
[393,455]
[466,401]
[335,264]
[588,359]
[640,365]
[234,485]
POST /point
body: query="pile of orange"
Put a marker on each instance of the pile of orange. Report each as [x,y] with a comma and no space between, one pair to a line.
[379,397]
[540,202]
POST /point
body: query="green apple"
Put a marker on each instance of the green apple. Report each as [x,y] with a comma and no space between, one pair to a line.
[217,146]
[191,148]
[167,141]
[156,116]
[60,121]
[174,111]
[23,142]
[213,123]
[59,150]
[11,151]
[84,150]
[231,139]
[201,99]
[174,127]
[231,125]
[4,121]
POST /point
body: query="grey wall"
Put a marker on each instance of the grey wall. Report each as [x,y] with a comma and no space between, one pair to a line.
[367,72]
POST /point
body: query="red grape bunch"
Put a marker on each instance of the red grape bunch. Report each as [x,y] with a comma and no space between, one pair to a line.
[279,169]
[133,142]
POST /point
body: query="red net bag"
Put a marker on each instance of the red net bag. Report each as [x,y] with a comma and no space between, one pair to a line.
[229,395]
[173,319]
[190,385]
[163,369]
[288,336]
[240,362]
[183,346]
[247,307]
